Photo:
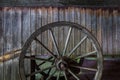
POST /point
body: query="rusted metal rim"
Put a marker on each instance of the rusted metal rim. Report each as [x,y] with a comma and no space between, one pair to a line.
[63,62]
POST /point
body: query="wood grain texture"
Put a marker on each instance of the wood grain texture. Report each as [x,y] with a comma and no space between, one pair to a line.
[8,41]
[104,32]
[115,31]
[83,23]
[15,38]
[25,33]
[1,43]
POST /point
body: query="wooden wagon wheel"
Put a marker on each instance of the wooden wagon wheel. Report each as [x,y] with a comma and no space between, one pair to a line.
[63,60]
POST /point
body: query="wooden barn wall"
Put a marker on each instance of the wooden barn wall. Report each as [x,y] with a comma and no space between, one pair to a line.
[16,25]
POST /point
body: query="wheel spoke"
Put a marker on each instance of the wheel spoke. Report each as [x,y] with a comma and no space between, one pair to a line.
[54,42]
[67,40]
[51,75]
[35,58]
[86,54]
[83,39]
[50,68]
[37,68]
[44,61]
[65,75]
[58,76]
[85,68]
[51,53]
[75,76]
[39,71]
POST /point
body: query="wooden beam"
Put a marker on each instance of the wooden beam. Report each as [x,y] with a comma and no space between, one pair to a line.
[10,55]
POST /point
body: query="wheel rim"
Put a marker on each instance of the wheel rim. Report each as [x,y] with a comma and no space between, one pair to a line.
[63,62]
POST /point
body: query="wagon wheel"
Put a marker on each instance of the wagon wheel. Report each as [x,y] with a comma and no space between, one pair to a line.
[62,59]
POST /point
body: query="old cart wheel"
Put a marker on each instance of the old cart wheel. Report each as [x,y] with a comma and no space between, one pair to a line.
[60,52]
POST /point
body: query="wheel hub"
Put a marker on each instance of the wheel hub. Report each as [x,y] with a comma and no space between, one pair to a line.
[61,64]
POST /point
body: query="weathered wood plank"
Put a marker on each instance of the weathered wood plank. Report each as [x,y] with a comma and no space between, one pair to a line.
[56,31]
[7,41]
[63,30]
[88,26]
[1,43]
[104,32]
[99,26]
[66,12]
[94,24]
[25,32]
[118,32]
[77,34]
[67,18]
[115,29]
[16,38]
[33,25]
[109,34]
[38,25]
[72,19]
[44,36]
[50,15]
[83,23]
[25,24]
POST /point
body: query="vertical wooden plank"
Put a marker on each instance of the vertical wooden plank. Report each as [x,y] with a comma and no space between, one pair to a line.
[44,16]
[56,30]
[72,19]
[49,10]
[39,24]
[118,30]
[13,21]
[55,14]
[99,26]
[1,43]
[16,38]
[109,34]
[66,13]
[33,25]
[104,32]
[83,23]
[1,30]
[19,25]
[88,26]
[61,17]
[71,14]
[77,32]
[44,36]
[16,28]
[94,24]
[62,14]
[25,25]
[58,16]
[7,41]
[107,30]
[77,15]
[33,44]
[115,29]
[25,33]
[67,18]
[82,11]
[50,43]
